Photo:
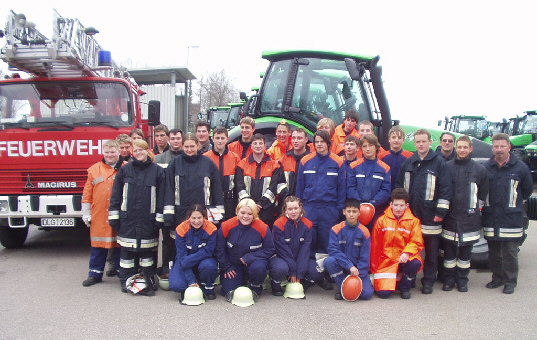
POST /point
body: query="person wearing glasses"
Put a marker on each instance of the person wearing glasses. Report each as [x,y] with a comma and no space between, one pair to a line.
[446,149]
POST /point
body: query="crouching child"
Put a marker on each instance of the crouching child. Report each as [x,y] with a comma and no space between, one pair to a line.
[396,247]
[349,248]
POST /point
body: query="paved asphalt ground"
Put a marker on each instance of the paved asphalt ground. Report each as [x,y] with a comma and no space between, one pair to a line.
[41,296]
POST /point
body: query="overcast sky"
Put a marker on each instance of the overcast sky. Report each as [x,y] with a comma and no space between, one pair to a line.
[462,57]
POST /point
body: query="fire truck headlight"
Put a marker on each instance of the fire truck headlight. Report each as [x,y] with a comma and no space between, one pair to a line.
[4,207]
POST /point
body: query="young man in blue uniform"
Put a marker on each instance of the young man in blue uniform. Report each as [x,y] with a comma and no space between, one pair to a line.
[349,250]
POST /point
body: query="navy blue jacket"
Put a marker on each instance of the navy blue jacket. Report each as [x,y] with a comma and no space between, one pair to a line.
[235,241]
[429,186]
[136,204]
[503,212]
[194,245]
[292,241]
[321,180]
[368,181]
[351,246]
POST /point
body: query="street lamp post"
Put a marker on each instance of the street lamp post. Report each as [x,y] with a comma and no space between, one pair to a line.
[189,85]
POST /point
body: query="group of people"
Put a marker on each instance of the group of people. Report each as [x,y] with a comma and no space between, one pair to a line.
[292,211]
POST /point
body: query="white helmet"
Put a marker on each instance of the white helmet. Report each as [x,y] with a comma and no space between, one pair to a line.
[164,283]
[193,296]
[294,290]
[242,297]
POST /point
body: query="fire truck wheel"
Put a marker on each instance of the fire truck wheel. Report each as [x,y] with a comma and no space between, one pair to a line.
[12,237]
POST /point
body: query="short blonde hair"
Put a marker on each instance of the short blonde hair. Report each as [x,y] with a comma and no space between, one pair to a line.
[143,144]
[249,203]
[110,143]
[329,122]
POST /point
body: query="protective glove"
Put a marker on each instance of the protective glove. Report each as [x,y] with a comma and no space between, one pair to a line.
[86,214]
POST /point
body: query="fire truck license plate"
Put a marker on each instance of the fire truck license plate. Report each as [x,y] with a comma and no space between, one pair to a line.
[57,222]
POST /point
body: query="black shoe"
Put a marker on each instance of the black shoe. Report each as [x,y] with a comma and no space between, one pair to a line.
[90,281]
[494,284]
[447,287]
[326,285]
[111,272]
[123,286]
[508,289]
[427,290]
[463,287]
[150,292]
[405,295]
[338,296]
[277,292]
[211,296]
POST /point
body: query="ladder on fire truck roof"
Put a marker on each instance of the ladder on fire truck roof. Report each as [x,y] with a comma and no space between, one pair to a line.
[72,51]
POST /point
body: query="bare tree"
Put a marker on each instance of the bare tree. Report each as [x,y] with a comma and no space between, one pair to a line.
[215,89]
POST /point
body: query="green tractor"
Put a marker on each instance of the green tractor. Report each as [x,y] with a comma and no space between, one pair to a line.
[217,115]
[304,86]
[473,126]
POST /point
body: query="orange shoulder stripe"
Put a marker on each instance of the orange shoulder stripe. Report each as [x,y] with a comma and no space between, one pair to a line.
[261,227]
[183,228]
[365,230]
[280,222]
[337,228]
[384,165]
[308,157]
[209,227]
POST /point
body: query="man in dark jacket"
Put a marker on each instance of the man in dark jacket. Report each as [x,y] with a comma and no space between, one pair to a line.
[462,225]
[446,149]
[503,215]
[429,185]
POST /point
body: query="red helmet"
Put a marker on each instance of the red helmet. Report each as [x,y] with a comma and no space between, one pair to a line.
[351,288]
[367,211]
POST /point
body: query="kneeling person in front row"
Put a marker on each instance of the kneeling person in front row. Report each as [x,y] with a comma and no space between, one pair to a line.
[397,244]
[292,239]
[195,264]
[243,247]
[349,249]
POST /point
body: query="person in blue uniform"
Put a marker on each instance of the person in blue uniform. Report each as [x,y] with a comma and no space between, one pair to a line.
[244,246]
[292,240]
[195,263]
[349,250]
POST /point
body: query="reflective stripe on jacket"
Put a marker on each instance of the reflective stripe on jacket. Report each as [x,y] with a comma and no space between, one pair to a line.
[97,191]
[292,241]
[392,237]
[509,186]
[429,187]
[462,223]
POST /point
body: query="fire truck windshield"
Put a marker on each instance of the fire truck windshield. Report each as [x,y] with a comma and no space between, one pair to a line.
[65,103]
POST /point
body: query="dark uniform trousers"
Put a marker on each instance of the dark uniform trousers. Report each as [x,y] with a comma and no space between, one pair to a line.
[503,261]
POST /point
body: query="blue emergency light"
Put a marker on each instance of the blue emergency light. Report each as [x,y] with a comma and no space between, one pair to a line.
[105,58]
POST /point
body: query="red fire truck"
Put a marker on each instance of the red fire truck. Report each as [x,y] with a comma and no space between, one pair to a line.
[54,119]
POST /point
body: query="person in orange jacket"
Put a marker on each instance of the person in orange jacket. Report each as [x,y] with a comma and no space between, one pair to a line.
[95,204]
[282,144]
[396,247]
[242,146]
[348,128]
[226,161]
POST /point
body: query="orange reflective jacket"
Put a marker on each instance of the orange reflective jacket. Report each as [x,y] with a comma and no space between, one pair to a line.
[97,191]
[391,238]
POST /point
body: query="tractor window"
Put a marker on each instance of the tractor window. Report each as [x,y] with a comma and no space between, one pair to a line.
[324,89]
[529,124]
[274,90]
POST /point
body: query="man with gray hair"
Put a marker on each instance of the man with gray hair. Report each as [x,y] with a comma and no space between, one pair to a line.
[503,214]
